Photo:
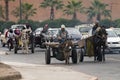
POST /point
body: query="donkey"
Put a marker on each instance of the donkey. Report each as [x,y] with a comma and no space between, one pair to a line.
[66,47]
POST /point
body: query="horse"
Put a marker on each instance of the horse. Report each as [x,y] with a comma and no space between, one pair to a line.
[100,40]
[66,48]
[25,40]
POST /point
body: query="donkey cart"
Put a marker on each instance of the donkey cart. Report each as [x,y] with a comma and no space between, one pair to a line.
[26,45]
[87,49]
[60,52]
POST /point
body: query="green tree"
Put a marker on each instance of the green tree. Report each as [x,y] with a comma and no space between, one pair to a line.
[53,4]
[1,12]
[73,7]
[97,10]
[27,11]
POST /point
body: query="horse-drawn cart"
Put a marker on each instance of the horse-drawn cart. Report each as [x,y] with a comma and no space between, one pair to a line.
[55,50]
[87,49]
[25,45]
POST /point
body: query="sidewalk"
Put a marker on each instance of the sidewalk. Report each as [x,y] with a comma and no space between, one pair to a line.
[48,72]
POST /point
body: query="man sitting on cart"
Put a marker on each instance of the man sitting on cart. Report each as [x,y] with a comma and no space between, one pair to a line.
[63,34]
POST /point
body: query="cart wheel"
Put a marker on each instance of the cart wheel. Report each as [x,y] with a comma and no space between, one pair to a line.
[47,56]
[74,56]
[81,55]
[9,48]
[32,42]
[15,49]
[3,44]
[32,48]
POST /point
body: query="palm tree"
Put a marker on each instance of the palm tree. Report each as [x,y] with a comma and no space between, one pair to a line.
[27,11]
[73,7]
[1,13]
[97,10]
[7,9]
[53,4]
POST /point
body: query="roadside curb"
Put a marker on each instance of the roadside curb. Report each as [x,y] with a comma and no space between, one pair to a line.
[9,73]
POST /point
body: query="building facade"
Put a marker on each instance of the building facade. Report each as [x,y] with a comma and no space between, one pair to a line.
[43,14]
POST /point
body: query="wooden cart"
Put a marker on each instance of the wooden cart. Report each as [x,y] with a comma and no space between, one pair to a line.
[18,44]
[53,51]
[86,48]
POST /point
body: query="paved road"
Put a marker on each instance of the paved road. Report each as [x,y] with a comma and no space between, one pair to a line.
[109,70]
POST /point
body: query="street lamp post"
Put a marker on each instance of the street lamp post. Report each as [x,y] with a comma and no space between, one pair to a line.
[20,10]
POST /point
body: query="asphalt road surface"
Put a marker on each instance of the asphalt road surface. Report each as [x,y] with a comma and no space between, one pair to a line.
[108,70]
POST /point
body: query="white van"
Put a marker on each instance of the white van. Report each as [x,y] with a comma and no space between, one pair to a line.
[84,29]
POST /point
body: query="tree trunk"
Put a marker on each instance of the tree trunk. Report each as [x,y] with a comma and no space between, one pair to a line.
[74,16]
[7,10]
[98,17]
[20,2]
[26,17]
[52,13]
[89,20]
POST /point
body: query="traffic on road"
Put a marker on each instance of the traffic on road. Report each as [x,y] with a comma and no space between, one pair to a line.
[46,46]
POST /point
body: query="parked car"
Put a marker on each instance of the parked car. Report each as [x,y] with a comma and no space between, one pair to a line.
[37,31]
[117,31]
[73,34]
[36,34]
[51,35]
[84,29]
[19,26]
[113,41]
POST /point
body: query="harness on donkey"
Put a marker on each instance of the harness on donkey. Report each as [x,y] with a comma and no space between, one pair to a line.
[100,39]
[65,49]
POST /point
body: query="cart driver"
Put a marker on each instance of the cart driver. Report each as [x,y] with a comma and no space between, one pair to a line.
[96,40]
[63,34]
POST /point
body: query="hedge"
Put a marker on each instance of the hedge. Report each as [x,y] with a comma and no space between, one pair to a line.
[57,23]
[6,25]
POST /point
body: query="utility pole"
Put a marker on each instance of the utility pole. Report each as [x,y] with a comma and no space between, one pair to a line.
[20,9]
